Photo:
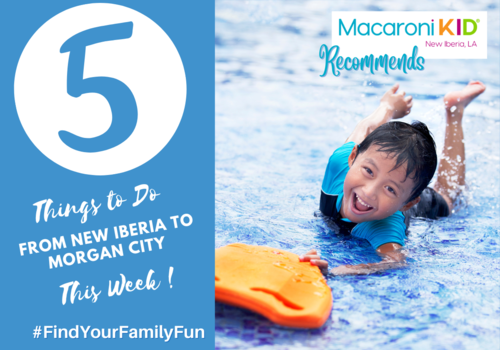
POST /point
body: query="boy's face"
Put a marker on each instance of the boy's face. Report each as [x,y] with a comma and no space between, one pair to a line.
[372,189]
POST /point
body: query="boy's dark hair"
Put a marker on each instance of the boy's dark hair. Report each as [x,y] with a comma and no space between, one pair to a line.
[413,145]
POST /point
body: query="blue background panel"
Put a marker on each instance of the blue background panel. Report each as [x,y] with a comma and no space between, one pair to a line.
[183,172]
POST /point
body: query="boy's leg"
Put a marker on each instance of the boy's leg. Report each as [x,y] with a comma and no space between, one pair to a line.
[451,169]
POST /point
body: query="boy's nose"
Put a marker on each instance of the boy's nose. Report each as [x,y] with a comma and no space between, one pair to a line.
[371,192]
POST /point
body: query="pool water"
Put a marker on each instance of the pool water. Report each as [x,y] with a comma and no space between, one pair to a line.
[277,123]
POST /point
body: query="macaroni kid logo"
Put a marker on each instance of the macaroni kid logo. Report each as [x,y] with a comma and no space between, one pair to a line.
[438,35]
[463,27]
[100,89]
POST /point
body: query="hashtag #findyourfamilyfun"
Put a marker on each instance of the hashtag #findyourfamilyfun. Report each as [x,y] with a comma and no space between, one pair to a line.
[158,332]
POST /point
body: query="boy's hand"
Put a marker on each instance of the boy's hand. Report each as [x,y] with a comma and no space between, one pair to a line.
[315,259]
[397,102]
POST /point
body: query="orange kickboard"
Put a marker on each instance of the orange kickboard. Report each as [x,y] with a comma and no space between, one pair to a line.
[273,283]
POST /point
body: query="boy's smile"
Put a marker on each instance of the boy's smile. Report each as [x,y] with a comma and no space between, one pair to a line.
[373,189]
[359,206]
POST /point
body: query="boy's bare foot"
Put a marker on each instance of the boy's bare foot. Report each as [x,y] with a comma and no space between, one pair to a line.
[456,101]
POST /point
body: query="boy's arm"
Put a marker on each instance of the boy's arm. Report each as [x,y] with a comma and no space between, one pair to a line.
[392,106]
[392,257]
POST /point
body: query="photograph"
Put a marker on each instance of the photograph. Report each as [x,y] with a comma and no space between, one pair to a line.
[385,181]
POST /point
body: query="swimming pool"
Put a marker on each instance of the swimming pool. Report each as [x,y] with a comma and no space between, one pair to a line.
[277,122]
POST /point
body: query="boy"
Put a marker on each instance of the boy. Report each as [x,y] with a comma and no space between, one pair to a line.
[378,179]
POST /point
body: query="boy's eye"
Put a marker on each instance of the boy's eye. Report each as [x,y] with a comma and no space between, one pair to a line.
[390,189]
[368,170]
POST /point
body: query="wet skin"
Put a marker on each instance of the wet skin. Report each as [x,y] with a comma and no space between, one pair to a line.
[373,189]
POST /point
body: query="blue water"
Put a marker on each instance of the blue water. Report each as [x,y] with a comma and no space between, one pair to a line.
[277,122]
